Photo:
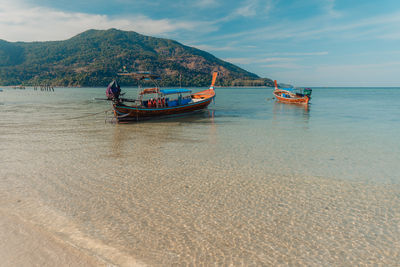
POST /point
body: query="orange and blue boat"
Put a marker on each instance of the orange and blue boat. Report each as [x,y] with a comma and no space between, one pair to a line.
[292,95]
[156,102]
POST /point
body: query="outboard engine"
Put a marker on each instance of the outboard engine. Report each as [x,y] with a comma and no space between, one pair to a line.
[113,90]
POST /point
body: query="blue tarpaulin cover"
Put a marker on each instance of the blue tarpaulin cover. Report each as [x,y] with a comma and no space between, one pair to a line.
[174,91]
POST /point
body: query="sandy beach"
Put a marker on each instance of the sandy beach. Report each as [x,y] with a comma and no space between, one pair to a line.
[28,238]
[23,244]
[299,221]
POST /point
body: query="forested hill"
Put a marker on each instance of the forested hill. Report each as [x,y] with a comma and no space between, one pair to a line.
[94,57]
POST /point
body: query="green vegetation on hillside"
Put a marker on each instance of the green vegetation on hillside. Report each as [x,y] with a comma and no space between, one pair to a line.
[94,57]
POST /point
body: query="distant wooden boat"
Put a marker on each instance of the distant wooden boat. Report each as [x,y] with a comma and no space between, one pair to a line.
[156,102]
[292,95]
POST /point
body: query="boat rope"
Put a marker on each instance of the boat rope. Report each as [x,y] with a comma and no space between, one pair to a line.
[89,115]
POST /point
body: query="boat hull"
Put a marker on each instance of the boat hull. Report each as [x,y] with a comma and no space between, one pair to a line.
[292,99]
[124,112]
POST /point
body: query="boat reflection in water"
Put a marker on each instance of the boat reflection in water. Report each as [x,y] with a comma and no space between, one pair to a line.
[292,112]
[157,133]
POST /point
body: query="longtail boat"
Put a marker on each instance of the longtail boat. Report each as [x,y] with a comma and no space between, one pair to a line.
[292,95]
[156,102]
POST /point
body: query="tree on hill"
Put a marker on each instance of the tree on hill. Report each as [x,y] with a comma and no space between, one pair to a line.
[94,57]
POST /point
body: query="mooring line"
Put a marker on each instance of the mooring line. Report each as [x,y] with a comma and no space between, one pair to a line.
[89,115]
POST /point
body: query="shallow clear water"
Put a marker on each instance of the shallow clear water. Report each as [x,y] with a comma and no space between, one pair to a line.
[247,181]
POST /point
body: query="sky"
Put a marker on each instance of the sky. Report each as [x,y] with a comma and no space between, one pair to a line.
[301,42]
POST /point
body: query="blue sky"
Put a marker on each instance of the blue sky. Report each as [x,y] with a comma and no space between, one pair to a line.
[305,43]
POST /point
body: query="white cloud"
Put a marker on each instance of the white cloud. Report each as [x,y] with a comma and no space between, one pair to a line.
[247,10]
[206,3]
[372,27]
[282,61]
[19,22]
[254,7]
[239,60]
[329,7]
[390,36]
[287,65]
[214,48]
[274,59]
[322,53]
[268,7]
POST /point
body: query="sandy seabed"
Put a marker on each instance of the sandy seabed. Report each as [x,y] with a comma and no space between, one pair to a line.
[251,222]
[24,244]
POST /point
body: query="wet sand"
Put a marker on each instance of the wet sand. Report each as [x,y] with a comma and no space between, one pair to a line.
[28,239]
[282,221]
[23,244]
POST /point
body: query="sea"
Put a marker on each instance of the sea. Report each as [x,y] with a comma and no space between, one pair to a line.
[248,181]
